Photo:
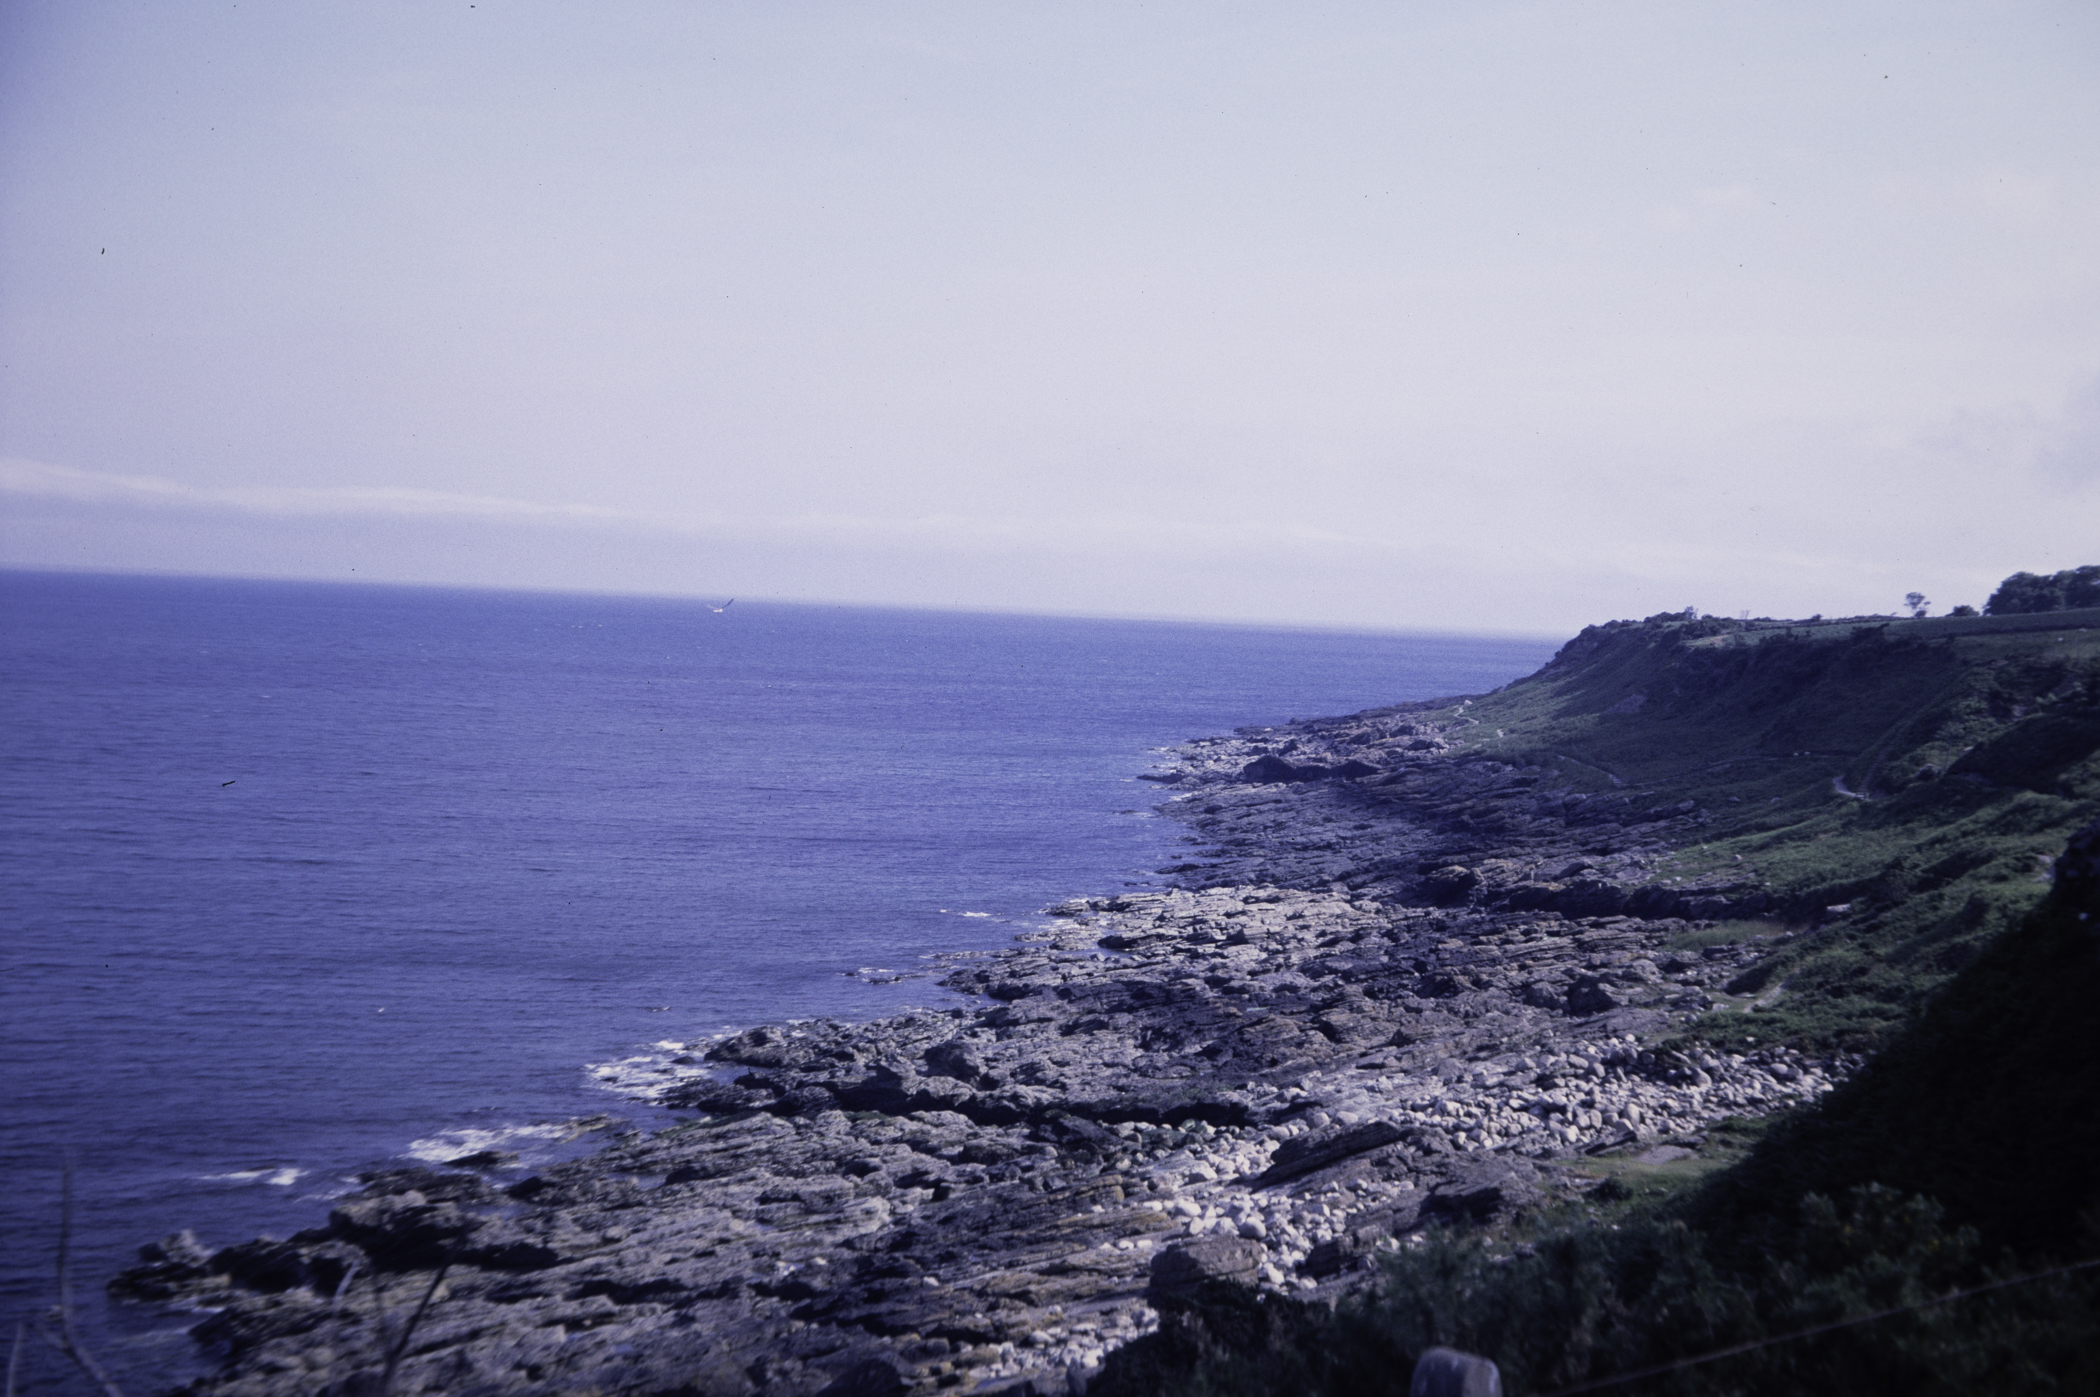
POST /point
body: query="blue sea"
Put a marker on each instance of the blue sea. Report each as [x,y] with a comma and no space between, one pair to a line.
[301,879]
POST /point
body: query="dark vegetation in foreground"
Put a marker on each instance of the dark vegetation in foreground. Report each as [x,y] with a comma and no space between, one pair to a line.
[1952,1188]
[1962,1157]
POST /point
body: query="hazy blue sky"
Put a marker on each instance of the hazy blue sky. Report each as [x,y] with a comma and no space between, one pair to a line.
[1491,316]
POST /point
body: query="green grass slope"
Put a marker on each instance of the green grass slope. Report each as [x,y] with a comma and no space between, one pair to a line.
[1897,788]
[1988,1102]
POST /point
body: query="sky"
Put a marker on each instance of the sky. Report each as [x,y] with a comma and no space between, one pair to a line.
[1451,316]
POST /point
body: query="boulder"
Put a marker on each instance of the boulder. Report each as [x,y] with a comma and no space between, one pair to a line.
[716,1098]
[262,1265]
[957,1059]
[1446,1372]
[176,1249]
[1544,994]
[433,1185]
[167,1268]
[1304,1154]
[502,1245]
[876,1377]
[1353,1029]
[1450,883]
[1347,1249]
[1333,1256]
[764,1046]
[1591,996]
[1079,1134]
[1180,1270]
[887,1088]
[1478,1190]
[485,1159]
[403,1230]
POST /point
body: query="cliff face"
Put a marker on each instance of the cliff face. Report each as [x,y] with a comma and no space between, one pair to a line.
[1424,961]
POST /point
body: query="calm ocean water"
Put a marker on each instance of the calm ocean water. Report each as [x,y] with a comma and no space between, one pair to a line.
[303,878]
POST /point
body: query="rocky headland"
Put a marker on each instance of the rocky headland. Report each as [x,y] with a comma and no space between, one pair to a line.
[1409,979]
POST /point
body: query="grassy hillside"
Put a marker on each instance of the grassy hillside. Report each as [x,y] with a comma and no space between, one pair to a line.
[1988,1102]
[1894,788]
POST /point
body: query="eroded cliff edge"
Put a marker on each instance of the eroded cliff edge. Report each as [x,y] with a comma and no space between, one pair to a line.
[1424,962]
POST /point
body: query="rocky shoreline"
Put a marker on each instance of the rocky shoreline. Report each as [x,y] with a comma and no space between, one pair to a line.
[1401,987]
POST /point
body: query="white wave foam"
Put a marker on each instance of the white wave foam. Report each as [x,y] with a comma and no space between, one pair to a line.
[647,1076]
[451,1144]
[283,1177]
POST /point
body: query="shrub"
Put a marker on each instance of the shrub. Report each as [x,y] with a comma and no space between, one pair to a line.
[1583,1301]
[2026,593]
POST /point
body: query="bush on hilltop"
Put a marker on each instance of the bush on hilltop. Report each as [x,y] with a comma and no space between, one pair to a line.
[2029,593]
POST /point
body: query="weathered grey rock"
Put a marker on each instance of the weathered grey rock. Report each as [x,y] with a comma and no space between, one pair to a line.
[1450,883]
[1482,1189]
[432,1185]
[983,1197]
[174,1265]
[1181,1269]
[1307,1153]
[1446,1372]
[960,1060]
[485,1159]
[1590,995]
[707,1094]
[874,1378]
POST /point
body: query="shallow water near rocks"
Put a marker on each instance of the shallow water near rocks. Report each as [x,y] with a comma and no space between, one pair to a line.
[301,878]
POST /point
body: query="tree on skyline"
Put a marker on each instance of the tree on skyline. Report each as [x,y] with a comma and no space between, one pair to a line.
[2027,593]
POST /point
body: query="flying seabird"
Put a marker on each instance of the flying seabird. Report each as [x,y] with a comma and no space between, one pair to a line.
[718,610]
